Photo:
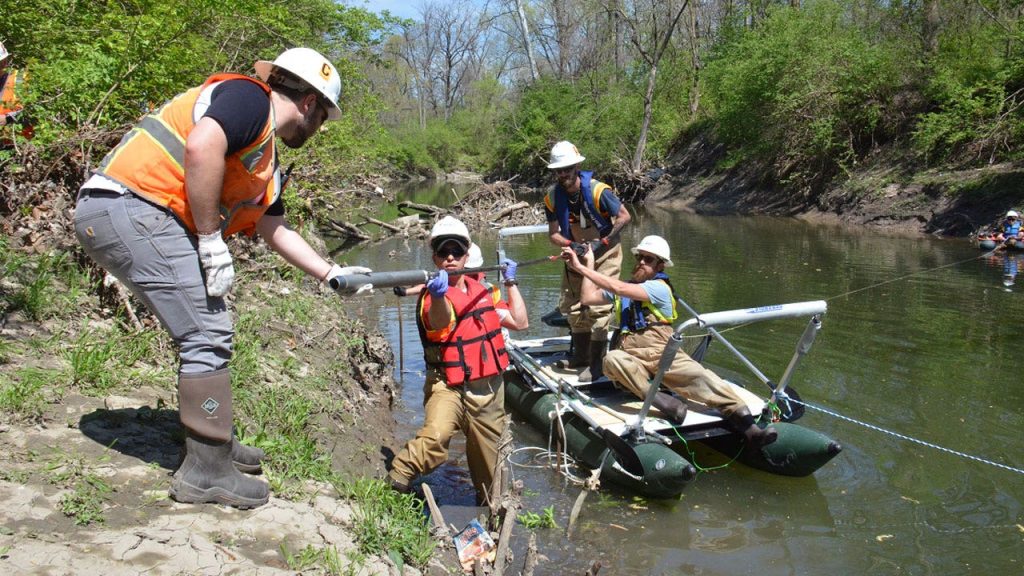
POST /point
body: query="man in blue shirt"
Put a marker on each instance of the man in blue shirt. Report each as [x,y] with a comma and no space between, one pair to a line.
[582,213]
[645,308]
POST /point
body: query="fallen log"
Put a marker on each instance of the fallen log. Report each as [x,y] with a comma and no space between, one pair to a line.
[347,229]
[383,224]
[425,208]
[508,210]
[508,520]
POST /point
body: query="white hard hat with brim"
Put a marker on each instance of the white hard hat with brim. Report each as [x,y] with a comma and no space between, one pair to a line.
[655,245]
[313,69]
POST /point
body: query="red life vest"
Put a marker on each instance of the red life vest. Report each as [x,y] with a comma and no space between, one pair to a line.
[475,348]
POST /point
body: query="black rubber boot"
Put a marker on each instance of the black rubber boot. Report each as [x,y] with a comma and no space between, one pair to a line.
[247,459]
[756,436]
[595,371]
[580,352]
[208,475]
[671,407]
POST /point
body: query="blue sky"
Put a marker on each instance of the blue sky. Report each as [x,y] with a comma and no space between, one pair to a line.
[402,8]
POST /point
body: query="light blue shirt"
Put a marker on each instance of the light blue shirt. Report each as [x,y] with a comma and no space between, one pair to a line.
[658,293]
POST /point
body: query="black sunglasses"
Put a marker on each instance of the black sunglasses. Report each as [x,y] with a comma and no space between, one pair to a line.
[647,259]
[447,250]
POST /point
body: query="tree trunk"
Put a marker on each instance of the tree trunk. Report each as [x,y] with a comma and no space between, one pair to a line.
[930,27]
[695,61]
[527,44]
[641,145]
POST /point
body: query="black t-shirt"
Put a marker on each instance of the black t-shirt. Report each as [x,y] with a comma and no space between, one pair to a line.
[241,108]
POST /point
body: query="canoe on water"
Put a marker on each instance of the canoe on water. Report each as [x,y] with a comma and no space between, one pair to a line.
[987,243]
[641,451]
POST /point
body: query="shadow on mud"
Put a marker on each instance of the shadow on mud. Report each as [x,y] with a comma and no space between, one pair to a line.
[151,435]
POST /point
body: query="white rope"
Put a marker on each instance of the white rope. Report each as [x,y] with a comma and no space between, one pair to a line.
[908,438]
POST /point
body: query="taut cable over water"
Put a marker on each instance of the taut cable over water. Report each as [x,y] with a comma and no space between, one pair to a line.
[890,432]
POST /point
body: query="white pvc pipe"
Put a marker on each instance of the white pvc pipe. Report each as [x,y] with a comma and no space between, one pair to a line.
[745,315]
[517,230]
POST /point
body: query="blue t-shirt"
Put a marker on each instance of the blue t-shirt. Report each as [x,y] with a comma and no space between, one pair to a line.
[608,204]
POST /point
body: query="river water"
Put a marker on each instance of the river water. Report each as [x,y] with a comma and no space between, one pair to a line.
[916,372]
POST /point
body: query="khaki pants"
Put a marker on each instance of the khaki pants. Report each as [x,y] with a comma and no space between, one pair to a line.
[477,408]
[589,319]
[636,362]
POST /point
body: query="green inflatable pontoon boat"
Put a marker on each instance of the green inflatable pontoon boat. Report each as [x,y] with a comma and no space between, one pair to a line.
[634,446]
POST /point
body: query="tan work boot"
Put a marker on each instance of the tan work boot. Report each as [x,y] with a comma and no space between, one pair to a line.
[208,472]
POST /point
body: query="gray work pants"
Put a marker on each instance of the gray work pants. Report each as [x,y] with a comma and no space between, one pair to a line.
[148,249]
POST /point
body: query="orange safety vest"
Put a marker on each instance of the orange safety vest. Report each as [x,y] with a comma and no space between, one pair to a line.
[9,101]
[475,348]
[150,161]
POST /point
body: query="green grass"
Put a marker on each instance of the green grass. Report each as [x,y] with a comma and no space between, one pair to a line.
[89,492]
[532,520]
[326,560]
[387,523]
[46,284]
[99,361]
[25,393]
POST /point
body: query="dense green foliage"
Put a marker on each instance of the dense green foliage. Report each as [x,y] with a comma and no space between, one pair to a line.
[808,92]
[97,66]
[976,89]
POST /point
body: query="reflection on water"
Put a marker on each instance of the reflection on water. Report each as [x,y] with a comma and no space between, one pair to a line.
[922,338]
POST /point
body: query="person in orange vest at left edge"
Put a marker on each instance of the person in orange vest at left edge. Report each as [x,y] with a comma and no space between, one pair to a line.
[155,214]
[11,109]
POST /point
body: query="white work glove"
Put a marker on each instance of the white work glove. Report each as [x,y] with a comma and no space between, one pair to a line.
[365,289]
[216,261]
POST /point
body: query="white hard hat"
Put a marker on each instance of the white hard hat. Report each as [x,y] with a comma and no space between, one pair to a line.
[654,245]
[476,257]
[564,154]
[4,54]
[1012,213]
[312,68]
[449,228]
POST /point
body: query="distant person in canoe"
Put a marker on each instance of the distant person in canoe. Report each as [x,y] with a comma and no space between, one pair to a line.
[464,351]
[644,309]
[1011,232]
[581,210]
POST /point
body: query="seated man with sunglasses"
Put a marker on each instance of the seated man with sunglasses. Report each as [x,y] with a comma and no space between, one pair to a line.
[464,350]
[645,309]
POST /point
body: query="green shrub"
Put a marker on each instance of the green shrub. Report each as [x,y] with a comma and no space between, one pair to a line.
[808,90]
[974,116]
